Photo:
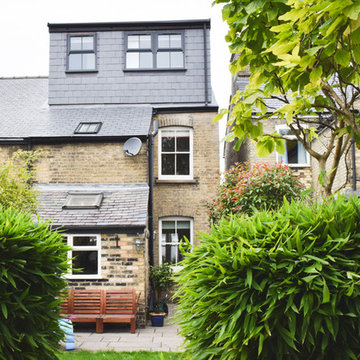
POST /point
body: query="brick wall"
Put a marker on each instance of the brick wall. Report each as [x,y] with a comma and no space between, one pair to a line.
[189,199]
[92,163]
[121,266]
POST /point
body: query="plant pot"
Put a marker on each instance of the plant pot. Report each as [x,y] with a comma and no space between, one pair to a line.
[157,319]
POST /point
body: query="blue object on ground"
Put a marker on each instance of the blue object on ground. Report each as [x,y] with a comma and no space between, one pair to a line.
[66,325]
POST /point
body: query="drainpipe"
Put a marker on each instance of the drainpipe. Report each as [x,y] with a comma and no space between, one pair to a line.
[206,70]
[353,165]
[151,192]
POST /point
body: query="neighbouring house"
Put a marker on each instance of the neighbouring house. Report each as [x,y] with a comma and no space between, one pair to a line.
[124,121]
[295,155]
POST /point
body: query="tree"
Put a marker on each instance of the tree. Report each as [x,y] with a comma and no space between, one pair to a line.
[16,178]
[306,54]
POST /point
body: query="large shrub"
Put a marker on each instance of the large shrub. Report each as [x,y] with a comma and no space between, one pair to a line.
[16,177]
[246,187]
[33,261]
[275,285]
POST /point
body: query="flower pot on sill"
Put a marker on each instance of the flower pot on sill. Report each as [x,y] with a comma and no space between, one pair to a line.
[157,319]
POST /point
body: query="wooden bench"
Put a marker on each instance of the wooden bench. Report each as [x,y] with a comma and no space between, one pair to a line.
[102,306]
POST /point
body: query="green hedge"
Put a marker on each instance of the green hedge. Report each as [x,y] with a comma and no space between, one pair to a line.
[32,264]
[281,285]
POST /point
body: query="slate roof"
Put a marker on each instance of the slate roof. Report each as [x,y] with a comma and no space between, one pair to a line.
[123,206]
[24,113]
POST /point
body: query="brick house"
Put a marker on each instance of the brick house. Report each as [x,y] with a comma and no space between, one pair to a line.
[295,155]
[124,122]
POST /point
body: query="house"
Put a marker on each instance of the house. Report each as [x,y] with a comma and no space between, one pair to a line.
[124,121]
[304,166]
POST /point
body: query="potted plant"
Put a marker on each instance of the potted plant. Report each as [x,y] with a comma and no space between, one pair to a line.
[162,281]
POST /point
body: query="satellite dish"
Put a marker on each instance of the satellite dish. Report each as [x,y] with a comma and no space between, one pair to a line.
[132,146]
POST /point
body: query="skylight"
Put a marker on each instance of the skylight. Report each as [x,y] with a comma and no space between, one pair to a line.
[88,128]
[83,201]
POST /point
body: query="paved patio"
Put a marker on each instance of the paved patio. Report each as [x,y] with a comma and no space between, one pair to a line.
[120,339]
[117,337]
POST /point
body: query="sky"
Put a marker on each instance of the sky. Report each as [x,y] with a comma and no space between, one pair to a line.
[25,36]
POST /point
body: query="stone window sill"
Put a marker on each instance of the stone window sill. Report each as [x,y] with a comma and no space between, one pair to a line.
[194,181]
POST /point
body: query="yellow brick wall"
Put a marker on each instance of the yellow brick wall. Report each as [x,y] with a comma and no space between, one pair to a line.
[189,199]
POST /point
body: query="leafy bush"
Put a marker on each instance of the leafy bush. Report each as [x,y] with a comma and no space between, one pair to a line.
[33,260]
[276,285]
[247,186]
[16,177]
[162,279]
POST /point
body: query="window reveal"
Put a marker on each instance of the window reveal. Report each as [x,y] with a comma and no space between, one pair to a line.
[295,153]
[173,233]
[84,256]
[176,153]
[81,53]
[155,51]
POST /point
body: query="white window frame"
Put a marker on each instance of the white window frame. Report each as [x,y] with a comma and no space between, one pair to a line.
[175,268]
[291,137]
[97,248]
[176,177]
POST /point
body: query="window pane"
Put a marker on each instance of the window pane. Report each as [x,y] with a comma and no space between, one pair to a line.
[88,43]
[87,260]
[146,60]
[88,62]
[168,225]
[168,143]
[145,41]
[133,42]
[86,201]
[75,43]
[285,132]
[163,41]
[169,254]
[183,225]
[182,164]
[168,164]
[176,59]
[84,241]
[132,60]
[292,151]
[183,143]
[175,41]
[75,62]
[163,59]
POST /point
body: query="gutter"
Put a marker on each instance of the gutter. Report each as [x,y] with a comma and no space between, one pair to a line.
[152,134]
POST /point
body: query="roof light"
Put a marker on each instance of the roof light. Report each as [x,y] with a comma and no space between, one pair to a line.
[83,201]
[88,128]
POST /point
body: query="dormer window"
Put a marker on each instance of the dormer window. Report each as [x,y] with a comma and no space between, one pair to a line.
[83,201]
[81,53]
[155,51]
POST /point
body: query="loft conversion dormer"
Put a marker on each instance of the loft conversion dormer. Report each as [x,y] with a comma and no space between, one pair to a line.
[161,62]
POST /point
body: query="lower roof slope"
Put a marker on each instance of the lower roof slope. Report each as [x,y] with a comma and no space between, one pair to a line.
[123,206]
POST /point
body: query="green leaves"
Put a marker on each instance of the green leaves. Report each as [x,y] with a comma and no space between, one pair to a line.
[281,285]
[33,261]
[293,50]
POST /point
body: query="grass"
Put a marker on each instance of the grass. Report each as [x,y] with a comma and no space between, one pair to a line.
[113,355]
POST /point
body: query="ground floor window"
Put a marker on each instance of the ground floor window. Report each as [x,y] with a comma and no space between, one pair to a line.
[173,231]
[84,256]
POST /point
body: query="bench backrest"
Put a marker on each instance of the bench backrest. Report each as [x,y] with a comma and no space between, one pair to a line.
[120,301]
[84,302]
